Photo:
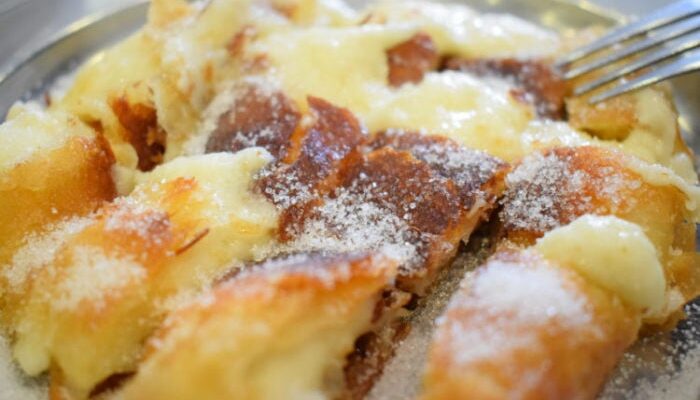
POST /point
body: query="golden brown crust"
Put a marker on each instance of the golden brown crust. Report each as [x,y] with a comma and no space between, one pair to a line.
[79,182]
[258,117]
[537,80]
[556,187]
[299,307]
[430,204]
[477,176]
[564,350]
[333,138]
[611,120]
[408,61]
[141,130]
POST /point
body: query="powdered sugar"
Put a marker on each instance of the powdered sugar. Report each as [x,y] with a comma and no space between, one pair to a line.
[327,267]
[350,222]
[130,214]
[92,276]
[468,165]
[509,294]
[536,190]
[547,190]
[530,295]
[40,250]
[662,366]
[469,169]
[285,190]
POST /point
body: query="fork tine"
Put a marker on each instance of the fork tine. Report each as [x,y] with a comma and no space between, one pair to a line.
[675,47]
[664,16]
[653,39]
[684,65]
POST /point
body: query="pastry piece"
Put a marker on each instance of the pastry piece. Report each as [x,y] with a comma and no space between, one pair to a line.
[478,177]
[279,330]
[553,188]
[523,327]
[33,196]
[148,93]
[415,197]
[441,191]
[643,124]
[428,204]
[536,81]
[418,196]
[410,60]
[330,140]
[83,297]
[259,116]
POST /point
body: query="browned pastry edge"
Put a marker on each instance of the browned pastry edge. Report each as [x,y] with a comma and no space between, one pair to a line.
[141,130]
[538,82]
[258,117]
[408,61]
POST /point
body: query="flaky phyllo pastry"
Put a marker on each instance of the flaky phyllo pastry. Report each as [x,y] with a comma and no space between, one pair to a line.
[250,199]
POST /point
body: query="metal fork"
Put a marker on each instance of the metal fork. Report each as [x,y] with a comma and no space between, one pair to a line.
[665,41]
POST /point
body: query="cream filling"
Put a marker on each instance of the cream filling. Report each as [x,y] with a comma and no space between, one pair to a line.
[614,254]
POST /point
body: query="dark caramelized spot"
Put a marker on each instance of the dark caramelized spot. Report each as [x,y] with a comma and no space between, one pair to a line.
[538,82]
[110,384]
[372,351]
[334,137]
[397,181]
[237,43]
[553,188]
[259,117]
[428,203]
[410,60]
[188,245]
[470,170]
[335,134]
[141,130]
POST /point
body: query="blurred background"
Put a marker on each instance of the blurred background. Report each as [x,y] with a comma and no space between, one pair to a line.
[26,23]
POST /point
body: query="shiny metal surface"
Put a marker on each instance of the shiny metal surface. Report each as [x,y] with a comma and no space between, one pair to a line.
[651,40]
[676,11]
[673,48]
[669,32]
[684,65]
[30,77]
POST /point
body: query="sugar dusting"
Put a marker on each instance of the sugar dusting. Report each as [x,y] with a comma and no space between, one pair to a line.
[350,222]
[93,276]
[403,374]
[464,166]
[327,267]
[530,295]
[39,250]
[225,100]
[506,294]
[544,190]
[663,366]
[286,190]
[536,188]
